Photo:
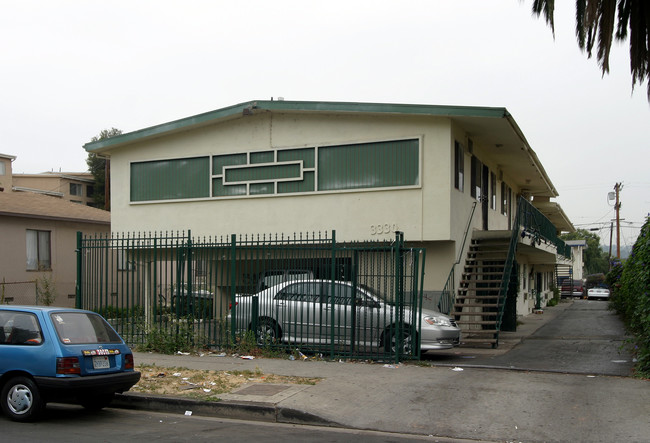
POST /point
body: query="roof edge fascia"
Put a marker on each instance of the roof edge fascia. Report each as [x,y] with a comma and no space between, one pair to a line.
[248,108]
[50,217]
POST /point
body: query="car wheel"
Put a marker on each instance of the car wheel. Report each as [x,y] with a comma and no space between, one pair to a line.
[268,332]
[21,400]
[407,341]
[97,402]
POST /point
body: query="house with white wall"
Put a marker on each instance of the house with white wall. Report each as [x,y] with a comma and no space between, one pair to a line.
[448,177]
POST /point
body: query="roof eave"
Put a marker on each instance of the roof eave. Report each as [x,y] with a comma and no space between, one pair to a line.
[249,108]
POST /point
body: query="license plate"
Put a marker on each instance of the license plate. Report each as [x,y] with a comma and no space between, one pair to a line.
[101,362]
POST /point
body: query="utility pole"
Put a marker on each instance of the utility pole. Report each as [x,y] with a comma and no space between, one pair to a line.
[617,188]
[609,256]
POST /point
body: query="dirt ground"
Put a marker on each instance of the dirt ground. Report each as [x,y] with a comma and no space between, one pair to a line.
[203,385]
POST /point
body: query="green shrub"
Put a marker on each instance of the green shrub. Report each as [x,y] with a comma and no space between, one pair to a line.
[630,286]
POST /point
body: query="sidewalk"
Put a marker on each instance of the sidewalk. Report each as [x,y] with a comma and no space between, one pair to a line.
[450,399]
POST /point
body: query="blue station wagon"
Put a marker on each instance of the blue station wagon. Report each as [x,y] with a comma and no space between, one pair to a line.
[52,354]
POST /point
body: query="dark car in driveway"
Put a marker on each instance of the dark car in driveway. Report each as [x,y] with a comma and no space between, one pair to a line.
[572,289]
[52,354]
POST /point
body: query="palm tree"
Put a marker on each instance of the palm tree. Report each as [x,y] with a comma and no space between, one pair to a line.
[598,22]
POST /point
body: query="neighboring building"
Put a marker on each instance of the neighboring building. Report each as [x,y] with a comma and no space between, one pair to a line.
[6,172]
[38,234]
[77,187]
[362,169]
[577,253]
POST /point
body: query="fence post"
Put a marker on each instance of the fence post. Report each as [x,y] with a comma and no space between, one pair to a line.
[189,296]
[399,294]
[233,288]
[77,289]
[332,295]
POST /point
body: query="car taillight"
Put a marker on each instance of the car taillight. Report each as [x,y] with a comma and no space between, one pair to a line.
[230,305]
[128,362]
[68,365]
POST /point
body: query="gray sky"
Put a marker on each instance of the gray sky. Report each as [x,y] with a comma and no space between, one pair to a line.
[70,68]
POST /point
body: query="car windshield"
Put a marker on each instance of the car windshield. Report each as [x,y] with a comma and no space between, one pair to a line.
[83,327]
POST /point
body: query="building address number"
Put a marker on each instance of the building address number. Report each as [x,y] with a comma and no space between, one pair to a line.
[386,228]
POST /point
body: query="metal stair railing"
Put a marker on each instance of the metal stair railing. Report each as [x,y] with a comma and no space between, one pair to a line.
[507,270]
[448,294]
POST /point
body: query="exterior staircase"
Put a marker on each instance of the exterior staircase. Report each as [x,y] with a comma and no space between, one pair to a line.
[479,303]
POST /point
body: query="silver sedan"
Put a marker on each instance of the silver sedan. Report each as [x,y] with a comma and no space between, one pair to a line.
[323,311]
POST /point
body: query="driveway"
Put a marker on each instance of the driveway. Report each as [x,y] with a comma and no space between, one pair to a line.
[583,338]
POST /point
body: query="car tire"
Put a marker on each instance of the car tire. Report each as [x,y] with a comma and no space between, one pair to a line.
[407,341]
[21,400]
[268,332]
[96,402]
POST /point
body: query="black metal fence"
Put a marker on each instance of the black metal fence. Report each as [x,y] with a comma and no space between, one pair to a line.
[305,292]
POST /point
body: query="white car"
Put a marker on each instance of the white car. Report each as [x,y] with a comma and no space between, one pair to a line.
[598,293]
[319,311]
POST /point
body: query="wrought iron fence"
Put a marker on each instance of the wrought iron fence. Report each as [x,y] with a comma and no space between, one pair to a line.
[305,292]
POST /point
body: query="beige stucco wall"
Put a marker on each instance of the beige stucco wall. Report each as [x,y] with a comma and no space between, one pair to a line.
[434,214]
[422,212]
[13,255]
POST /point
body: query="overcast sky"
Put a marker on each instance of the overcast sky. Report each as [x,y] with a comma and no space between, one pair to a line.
[69,69]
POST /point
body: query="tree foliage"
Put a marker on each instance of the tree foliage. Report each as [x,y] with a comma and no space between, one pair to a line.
[630,286]
[595,260]
[97,167]
[599,22]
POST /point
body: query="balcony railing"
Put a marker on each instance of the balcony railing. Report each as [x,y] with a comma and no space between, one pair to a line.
[540,228]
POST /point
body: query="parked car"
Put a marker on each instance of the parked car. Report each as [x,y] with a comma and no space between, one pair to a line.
[598,293]
[57,354]
[274,277]
[572,288]
[300,312]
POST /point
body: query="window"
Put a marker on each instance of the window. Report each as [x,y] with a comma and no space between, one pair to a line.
[38,250]
[76,189]
[476,178]
[342,294]
[303,292]
[19,328]
[493,191]
[3,170]
[459,167]
[90,191]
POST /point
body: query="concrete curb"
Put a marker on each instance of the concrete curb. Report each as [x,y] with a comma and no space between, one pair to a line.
[265,412]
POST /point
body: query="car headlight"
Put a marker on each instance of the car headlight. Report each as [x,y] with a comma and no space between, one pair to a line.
[437,321]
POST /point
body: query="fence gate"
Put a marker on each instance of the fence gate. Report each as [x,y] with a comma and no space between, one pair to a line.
[302,293]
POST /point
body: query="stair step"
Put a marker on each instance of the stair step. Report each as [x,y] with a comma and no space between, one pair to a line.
[482,273]
[472,332]
[479,289]
[476,297]
[476,305]
[495,281]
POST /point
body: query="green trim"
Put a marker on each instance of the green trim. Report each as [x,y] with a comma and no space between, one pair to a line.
[243,110]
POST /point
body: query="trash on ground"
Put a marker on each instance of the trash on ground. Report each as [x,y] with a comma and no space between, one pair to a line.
[247,357]
[176,374]
[183,353]
[188,412]
[391,366]
[457,369]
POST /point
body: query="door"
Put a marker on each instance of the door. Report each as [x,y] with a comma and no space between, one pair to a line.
[485,198]
[300,313]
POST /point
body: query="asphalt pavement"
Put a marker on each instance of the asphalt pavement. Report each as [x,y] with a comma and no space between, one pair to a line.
[531,388]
